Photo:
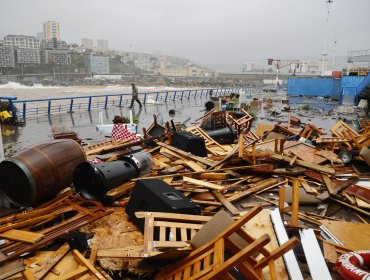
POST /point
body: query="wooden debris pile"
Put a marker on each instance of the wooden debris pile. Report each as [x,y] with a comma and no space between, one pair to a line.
[316,183]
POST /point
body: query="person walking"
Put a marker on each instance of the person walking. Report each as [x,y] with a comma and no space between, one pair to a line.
[135,96]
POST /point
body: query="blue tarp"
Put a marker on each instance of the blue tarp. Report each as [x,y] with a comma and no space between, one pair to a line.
[329,87]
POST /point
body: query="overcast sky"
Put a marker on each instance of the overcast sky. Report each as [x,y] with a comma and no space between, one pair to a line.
[206,31]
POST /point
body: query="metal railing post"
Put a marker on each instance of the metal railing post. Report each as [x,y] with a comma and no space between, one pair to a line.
[89,105]
[106,102]
[195,94]
[24,110]
[189,94]
[165,99]
[174,95]
[120,101]
[182,94]
[156,98]
[145,94]
[49,107]
[71,106]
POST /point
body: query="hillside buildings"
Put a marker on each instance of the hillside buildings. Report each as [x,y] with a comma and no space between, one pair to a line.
[102,45]
[7,56]
[87,43]
[51,30]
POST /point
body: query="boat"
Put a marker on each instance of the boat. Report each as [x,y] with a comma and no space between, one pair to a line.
[106,129]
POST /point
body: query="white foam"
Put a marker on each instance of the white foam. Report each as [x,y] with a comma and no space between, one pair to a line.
[14,85]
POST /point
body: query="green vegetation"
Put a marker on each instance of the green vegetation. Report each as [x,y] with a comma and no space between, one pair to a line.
[305,107]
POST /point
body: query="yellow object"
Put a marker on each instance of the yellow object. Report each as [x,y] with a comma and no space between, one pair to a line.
[4,115]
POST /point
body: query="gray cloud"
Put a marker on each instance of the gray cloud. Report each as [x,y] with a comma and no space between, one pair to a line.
[205,31]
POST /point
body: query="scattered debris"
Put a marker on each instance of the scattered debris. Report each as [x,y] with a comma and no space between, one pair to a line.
[185,192]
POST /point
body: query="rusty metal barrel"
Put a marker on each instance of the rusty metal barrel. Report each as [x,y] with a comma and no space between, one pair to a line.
[39,172]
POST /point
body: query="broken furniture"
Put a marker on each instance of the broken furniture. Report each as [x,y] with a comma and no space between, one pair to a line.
[242,124]
[211,262]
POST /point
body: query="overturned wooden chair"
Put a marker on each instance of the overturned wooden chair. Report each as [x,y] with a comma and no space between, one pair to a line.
[218,258]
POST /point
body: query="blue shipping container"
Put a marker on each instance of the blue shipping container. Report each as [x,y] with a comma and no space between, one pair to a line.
[326,87]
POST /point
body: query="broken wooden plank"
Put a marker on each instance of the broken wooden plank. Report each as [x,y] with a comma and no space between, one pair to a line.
[258,187]
[214,176]
[51,262]
[22,235]
[359,192]
[194,166]
[228,205]
[11,269]
[328,184]
[304,163]
[87,264]
[351,206]
[202,183]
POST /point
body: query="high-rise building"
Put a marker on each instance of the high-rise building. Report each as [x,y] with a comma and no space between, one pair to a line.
[51,30]
[87,43]
[102,45]
[7,57]
[22,41]
[96,64]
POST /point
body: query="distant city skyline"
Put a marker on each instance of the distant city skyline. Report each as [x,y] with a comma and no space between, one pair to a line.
[207,32]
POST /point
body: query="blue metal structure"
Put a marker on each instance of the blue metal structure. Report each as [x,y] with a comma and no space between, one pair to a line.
[48,106]
[349,89]
[324,87]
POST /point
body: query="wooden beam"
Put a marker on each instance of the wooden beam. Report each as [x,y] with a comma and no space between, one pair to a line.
[228,205]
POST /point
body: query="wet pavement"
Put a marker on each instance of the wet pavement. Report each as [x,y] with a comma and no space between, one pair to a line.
[268,110]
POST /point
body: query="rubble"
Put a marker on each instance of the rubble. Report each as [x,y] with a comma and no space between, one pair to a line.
[217,196]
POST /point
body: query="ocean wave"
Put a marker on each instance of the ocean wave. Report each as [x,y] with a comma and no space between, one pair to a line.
[15,85]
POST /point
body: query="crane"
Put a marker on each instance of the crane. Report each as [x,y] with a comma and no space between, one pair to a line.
[279,64]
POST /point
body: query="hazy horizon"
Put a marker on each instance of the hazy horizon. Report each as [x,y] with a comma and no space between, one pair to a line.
[206,32]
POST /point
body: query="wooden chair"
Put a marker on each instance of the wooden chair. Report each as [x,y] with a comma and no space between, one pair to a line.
[243,123]
[162,232]
[169,230]
[311,132]
[210,262]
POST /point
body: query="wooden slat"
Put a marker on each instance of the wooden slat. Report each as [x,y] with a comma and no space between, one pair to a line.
[203,183]
[194,166]
[11,269]
[22,235]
